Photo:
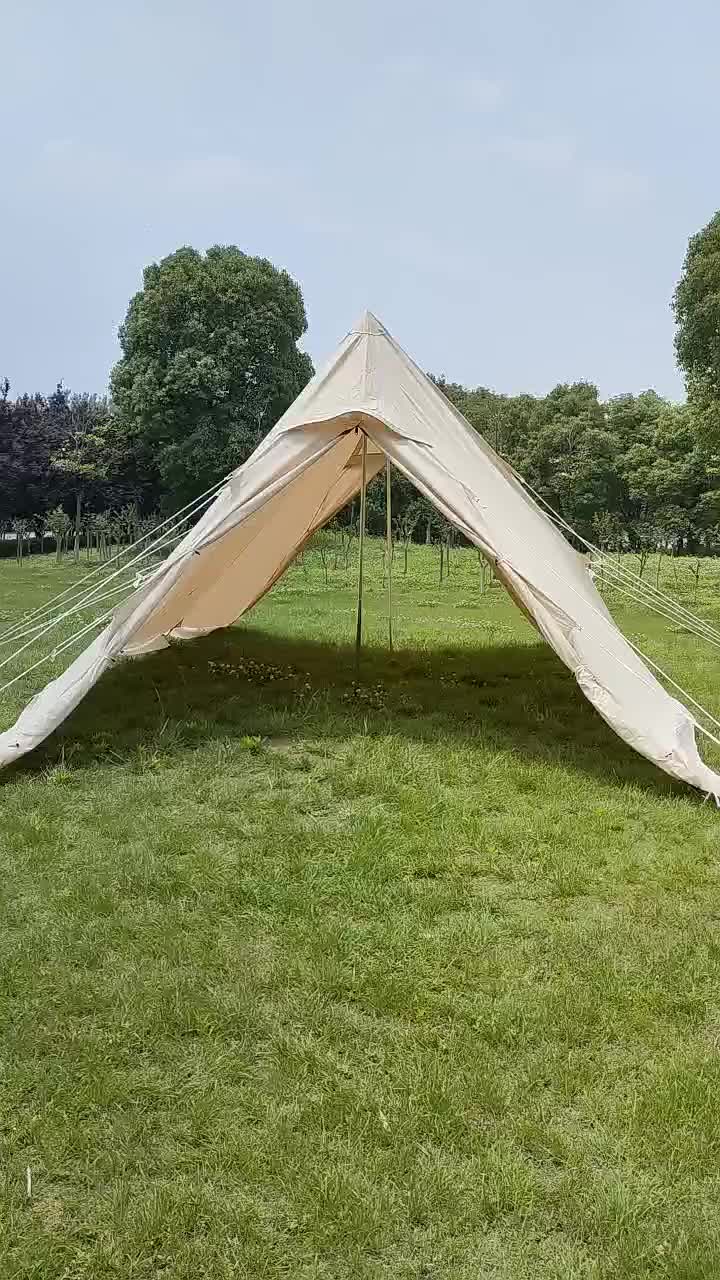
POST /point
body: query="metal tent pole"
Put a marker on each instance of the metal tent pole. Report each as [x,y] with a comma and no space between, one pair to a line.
[389,547]
[358,631]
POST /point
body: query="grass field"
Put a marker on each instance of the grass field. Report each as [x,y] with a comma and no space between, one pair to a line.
[414,976]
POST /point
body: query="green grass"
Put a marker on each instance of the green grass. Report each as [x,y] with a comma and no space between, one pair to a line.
[416,976]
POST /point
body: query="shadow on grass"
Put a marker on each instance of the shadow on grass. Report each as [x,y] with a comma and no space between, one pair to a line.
[244,681]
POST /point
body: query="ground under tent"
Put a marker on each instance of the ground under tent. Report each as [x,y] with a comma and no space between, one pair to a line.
[371,403]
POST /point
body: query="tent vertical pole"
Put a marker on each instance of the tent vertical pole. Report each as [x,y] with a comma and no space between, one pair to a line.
[361,548]
[389,547]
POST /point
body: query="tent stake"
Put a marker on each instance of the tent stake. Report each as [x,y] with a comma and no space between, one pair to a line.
[389,546]
[358,631]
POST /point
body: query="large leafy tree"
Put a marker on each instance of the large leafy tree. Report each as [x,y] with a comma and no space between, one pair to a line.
[697,311]
[570,456]
[670,476]
[210,361]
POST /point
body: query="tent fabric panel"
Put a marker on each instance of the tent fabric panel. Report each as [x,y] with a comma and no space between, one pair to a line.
[224,578]
[274,537]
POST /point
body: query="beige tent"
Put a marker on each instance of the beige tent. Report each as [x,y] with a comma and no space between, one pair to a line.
[305,470]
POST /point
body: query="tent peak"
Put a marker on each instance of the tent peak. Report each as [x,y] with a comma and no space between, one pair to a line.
[369,323]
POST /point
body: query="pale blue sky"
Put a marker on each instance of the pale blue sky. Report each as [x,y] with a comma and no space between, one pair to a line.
[509,186]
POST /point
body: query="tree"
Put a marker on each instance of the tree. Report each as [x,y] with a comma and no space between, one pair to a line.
[697,312]
[644,536]
[443,535]
[86,455]
[405,526]
[323,541]
[210,361]
[574,462]
[31,428]
[670,469]
[608,530]
[21,529]
[36,433]
[58,523]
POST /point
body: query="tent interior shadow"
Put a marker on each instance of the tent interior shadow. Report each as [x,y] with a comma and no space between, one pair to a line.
[242,681]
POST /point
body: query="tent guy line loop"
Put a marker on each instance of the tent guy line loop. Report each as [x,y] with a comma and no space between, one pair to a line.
[664,606]
[66,644]
[647,595]
[662,613]
[654,599]
[61,648]
[619,570]
[87,597]
[76,592]
[609,623]
[130,585]
[44,608]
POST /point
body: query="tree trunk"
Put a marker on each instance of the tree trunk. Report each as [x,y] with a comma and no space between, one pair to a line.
[428,526]
[441,561]
[78,514]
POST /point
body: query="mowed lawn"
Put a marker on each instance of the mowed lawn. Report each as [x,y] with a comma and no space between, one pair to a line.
[411,976]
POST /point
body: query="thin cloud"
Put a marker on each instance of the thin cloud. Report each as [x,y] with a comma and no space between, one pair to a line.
[606,188]
[219,173]
[550,154]
[480,93]
[406,66]
[602,187]
[67,162]
[447,80]
[64,161]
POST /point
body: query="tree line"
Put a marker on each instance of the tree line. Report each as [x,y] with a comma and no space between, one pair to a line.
[631,470]
[65,473]
[210,358]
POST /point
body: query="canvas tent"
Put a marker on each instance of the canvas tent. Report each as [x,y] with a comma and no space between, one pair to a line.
[306,469]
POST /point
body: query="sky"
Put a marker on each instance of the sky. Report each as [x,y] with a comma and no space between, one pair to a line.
[509,186]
